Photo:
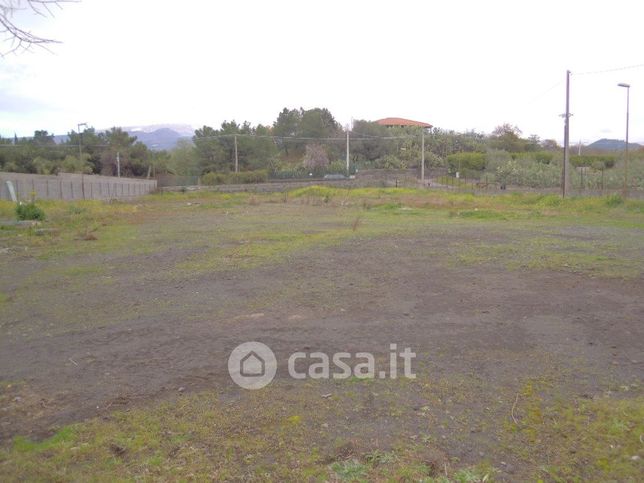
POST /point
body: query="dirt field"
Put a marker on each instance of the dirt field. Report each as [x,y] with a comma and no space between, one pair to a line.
[526,315]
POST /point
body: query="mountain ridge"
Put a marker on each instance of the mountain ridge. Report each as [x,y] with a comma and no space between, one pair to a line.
[606,144]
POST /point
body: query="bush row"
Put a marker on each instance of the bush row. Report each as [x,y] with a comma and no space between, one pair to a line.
[243,177]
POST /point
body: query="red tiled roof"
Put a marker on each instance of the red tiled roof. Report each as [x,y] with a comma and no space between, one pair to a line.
[399,121]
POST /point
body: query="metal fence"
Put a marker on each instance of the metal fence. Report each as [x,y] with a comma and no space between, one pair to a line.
[66,186]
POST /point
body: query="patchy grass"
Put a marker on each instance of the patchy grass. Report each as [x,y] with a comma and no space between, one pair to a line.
[604,255]
[294,438]
[277,434]
[404,428]
[296,435]
[580,440]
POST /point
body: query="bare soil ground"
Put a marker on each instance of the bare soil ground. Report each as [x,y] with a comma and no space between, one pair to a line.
[93,330]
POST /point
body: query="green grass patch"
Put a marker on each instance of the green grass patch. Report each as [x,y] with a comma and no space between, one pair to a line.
[615,257]
[278,434]
[481,214]
[580,440]
[291,438]
[60,439]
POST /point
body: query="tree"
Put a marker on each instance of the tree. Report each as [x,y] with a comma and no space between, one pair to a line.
[372,148]
[43,138]
[184,159]
[508,138]
[208,148]
[287,125]
[315,157]
[132,155]
[216,147]
[550,145]
[318,123]
[91,143]
[71,164]
[17,37]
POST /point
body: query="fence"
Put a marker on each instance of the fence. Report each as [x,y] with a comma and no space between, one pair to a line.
[66,186]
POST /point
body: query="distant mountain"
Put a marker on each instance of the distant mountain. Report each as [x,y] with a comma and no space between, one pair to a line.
[182,129]
[164,138]
[611,145]
[156,137]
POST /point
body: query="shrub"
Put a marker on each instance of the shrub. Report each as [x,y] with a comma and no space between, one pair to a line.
[247,177]
[29,211]
[434,161]
[596,160]
[213,178]
[544,157]
[389,161]
[475,161]
[614,200]
[243,177]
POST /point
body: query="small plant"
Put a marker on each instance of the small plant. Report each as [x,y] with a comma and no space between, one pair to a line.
[614,200]
[377,457]
[351,470]
[29,211]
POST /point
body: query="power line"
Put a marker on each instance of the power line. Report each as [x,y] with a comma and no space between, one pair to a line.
[548,90]
[615,69]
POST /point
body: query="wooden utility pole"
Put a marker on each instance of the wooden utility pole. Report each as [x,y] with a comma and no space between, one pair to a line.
[422,158]
[347,151]
[236,157]
[565,181]
[628,99]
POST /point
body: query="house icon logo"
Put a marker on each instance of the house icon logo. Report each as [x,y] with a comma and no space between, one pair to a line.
[252,365]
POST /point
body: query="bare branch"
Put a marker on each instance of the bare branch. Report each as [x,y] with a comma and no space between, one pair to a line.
[18,38]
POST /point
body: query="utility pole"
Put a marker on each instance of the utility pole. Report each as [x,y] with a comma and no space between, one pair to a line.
[347,150]
[422,157]
[628,99]
[236,157]
[80,141]
[118,164]
[565,182]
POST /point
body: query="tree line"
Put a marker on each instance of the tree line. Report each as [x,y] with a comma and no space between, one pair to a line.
[82,152]
[298,142]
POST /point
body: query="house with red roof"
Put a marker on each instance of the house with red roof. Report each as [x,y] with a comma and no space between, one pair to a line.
[400,122]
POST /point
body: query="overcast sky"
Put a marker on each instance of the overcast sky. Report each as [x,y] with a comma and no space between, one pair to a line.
[456,64]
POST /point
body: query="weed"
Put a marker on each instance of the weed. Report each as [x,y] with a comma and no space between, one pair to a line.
[350,470]
[29,211]
[377,457]
[614,200]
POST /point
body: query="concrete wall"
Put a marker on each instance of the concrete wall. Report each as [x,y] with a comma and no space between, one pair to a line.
[74,187]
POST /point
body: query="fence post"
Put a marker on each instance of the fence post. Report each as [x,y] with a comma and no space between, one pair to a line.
[60,188]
